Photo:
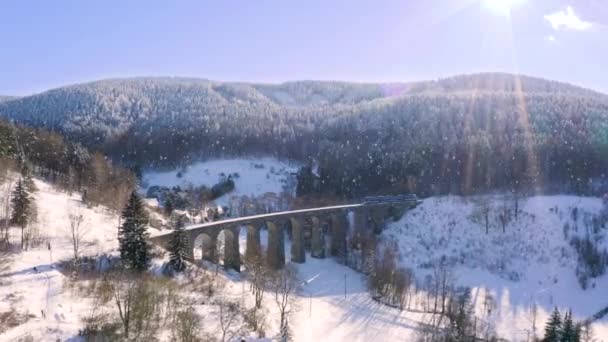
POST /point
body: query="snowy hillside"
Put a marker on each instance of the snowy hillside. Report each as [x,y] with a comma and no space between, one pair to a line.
[33,284]
[252,177]
[532,262]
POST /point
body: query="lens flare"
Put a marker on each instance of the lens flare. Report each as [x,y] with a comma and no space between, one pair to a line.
[502,7]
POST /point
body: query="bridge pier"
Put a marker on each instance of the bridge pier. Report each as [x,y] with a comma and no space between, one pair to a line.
[360,216]
[275,254]
[298,254]
[254,246]
[378,217]
[190,248]
[317,242]
[232,257]
[339,229]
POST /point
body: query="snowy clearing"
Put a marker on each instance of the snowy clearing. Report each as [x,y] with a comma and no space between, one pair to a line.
[255,176]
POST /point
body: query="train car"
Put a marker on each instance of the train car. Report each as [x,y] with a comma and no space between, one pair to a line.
[390,199]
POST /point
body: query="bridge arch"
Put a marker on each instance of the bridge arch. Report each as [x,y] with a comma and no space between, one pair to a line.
[227,247]
[205,247]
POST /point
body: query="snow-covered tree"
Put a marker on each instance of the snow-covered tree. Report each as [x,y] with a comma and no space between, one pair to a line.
[133,234]
[21,205]
[554,327]
[568,331]
[178,246]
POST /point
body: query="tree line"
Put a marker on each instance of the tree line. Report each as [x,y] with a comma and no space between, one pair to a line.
[465,134]
[68,165]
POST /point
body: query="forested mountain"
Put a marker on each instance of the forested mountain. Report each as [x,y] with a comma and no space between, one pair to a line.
[462,134]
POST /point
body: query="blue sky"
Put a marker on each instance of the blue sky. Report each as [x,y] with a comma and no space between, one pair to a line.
[47,44]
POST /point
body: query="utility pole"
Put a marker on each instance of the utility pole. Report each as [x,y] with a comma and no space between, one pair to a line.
[344,285]
[310,305]
[50,252]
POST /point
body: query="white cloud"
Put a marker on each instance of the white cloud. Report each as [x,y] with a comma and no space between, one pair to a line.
[551,39]
[567,19]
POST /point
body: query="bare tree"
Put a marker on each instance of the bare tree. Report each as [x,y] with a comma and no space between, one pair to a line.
[258,274]
[516,197]
[187,325]
[284,286]
[534,311]
[139,303]
[229,314]
[5,211]
[587,334]
[123,291]
[444,279]
[255,318]
[481,212]
[77,233]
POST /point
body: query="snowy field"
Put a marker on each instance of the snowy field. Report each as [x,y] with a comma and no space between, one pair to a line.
[333,304]
[255,176]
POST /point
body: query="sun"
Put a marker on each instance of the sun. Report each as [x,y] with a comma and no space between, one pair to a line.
[501,7]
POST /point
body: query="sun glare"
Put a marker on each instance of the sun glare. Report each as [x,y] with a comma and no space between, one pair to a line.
[501,7]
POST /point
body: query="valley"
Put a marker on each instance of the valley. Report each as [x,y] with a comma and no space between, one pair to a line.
[511,229]
[526,271]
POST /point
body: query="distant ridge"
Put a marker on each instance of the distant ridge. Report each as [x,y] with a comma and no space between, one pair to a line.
[386,127]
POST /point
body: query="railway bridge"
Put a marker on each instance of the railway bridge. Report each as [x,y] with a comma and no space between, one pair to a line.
[323,231]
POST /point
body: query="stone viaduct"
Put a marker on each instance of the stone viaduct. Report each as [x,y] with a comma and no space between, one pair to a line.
[323,231]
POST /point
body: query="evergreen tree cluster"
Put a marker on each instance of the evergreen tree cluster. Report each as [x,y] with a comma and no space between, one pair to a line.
[592,259]
[563,329]
[306,181]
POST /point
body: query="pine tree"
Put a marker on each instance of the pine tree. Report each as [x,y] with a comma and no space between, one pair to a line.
[568,329]
[578,329]
[169,206]
[133,234]
[21,205]
[178,246]
[553,327]
[26,175]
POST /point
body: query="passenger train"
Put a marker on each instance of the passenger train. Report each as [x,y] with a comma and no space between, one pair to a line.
[389,199]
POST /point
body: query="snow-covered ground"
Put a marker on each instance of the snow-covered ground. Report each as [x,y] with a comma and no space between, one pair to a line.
[33,284]
[531,262]
[532,249]
[323,314]
[255,176]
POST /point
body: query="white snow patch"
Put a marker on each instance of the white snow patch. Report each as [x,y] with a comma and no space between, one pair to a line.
[256,176]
